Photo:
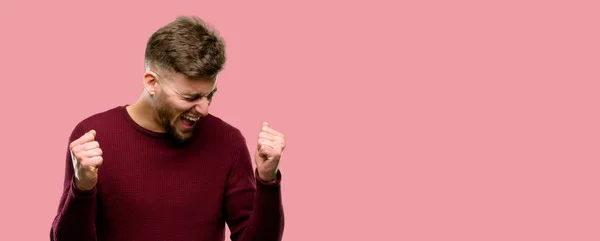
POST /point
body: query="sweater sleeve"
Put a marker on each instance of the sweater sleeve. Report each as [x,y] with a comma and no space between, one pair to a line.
[253,209]
[77,209]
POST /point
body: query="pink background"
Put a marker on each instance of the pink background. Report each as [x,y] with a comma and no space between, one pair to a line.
[436,120]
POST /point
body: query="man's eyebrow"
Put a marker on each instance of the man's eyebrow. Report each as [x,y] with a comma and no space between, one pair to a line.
[212,91]
[194,95]
[190,94]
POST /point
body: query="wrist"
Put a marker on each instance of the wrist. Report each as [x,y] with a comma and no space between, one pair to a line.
[84,187]
[267,177]
[81,190]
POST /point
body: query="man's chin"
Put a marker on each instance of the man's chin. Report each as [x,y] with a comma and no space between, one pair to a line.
[181,138]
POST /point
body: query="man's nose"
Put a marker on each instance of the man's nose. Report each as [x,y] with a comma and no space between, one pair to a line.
[202,106]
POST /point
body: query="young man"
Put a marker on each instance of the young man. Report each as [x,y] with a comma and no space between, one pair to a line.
[164,168]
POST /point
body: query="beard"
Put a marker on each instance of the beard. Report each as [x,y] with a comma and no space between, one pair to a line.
[166,117]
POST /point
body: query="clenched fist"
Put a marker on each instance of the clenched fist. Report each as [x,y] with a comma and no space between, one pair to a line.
[87,157]
[271,144]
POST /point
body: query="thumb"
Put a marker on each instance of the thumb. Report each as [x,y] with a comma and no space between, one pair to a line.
[93,133]
[258,146]
[260,151]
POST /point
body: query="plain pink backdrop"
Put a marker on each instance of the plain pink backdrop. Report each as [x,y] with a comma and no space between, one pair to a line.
[416,120]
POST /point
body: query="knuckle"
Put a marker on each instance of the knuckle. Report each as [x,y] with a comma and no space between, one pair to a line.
[78,156]
[82,161]
[99,161]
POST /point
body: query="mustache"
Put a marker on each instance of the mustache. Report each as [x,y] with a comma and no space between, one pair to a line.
[192,114]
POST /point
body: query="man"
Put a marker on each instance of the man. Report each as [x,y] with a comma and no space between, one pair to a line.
[164,168]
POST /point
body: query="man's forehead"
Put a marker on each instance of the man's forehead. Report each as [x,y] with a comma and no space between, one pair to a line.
[198,86]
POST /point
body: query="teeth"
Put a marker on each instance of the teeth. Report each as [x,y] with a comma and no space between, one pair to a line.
[191,118]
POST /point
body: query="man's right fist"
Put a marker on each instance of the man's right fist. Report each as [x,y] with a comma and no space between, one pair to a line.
[87,157]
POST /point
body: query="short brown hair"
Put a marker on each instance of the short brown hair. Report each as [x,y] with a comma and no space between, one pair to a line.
[187,46]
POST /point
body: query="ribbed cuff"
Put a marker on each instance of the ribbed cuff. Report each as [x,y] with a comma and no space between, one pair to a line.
[276,183]
[81,193]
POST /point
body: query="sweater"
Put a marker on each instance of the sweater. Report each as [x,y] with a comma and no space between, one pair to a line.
[150,189]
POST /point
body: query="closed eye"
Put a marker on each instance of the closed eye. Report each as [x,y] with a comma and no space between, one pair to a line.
[210,96]
[190,98]
[195,97]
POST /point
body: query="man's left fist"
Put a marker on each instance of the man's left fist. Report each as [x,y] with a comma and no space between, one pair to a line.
[268,153]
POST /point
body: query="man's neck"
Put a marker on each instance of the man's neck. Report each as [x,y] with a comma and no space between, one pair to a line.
[144,115]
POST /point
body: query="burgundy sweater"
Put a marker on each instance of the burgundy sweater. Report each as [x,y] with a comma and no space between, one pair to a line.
[150,190]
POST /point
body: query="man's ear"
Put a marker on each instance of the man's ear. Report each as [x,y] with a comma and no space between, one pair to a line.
[150,82]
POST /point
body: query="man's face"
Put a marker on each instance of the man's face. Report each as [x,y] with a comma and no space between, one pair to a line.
[179,103]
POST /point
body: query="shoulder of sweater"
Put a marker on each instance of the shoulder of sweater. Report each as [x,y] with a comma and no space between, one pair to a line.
[223,130]
[103,118]
[222,127]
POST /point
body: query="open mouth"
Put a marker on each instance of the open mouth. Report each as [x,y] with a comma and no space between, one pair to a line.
[188,121]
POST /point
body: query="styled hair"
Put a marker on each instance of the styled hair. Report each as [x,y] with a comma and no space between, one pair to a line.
[187,46]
